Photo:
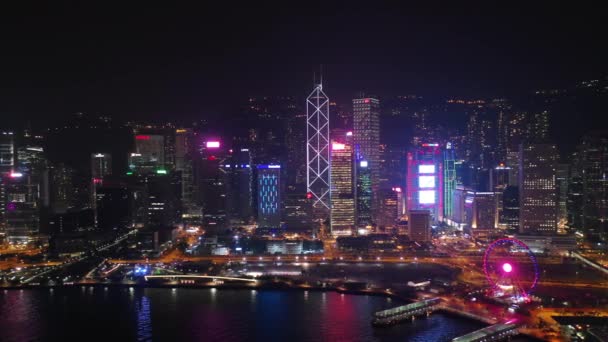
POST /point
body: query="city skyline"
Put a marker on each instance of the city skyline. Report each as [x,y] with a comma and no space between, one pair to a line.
[305,171]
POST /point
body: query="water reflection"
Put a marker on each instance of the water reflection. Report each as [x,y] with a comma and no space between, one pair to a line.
[209,315]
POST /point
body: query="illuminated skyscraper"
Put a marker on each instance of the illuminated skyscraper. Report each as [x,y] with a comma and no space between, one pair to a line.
[7,151]
[592,173]
[209,184]
[238,178]
[537,189]
[449,179]
[342,191]
[483,213]
[317,151]
[363,194]
[425,180]
[101,165]
[562,176]
[269,196]
[366,134]
[149,154]
[389,207]
[22,214]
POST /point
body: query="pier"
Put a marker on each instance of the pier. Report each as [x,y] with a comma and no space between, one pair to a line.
[496,332]
[405,312]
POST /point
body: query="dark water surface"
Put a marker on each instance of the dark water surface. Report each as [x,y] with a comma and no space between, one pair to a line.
[122,314]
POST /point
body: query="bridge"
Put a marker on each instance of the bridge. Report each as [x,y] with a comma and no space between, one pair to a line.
[404,312]
[590,263]
[496,332]
[186,276]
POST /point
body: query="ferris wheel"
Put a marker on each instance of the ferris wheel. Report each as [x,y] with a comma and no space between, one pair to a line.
[511,269]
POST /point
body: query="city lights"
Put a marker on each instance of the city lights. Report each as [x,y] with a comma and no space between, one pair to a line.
[212,144]
[337,146]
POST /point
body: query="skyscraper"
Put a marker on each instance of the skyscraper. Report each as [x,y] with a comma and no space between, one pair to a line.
[366,134]
[209,182]
[149,154]
[363,194]
[483,213]
[101,165]
[317,151]
[449,179]
[7,151]
[425,180]
[389,207]
[22,214]
[269,196]
[419,225]
[238,179]
[342,191]
[562,177]
[298,210]
[592,169]
[537,189]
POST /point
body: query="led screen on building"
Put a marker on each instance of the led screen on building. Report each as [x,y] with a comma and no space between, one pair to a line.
[426,196]
[426,168]
[426,182]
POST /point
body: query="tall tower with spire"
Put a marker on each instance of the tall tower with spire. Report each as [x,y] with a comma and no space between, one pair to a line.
[317,151]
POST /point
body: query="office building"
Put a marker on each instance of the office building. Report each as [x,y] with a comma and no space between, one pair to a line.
[363,195]
[562,176]
[101,165]
[22,214]
[591,170]
[318,151]
[449,179]
[209,184]
[366,138]
[7,151]
[297,211]
[342,192]
[537,190]
[483,213]
[149,154]
[389,207]
[425,180]
[238,178]
[269,195]
[419,225]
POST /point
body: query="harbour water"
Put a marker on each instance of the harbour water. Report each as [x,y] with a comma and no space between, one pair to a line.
[181,314]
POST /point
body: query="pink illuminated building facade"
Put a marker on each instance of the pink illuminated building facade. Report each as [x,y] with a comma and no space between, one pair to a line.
[425,180]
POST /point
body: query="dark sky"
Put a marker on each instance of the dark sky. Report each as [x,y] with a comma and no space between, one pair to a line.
[145,61]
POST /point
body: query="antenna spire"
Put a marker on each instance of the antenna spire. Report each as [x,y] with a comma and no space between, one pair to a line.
[321,72]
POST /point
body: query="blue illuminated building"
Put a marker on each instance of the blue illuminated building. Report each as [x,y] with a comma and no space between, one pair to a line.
[269,199]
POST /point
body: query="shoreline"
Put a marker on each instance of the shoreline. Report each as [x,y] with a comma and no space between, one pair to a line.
[262,287]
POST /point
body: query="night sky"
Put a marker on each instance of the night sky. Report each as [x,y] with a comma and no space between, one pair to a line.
[187,62]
